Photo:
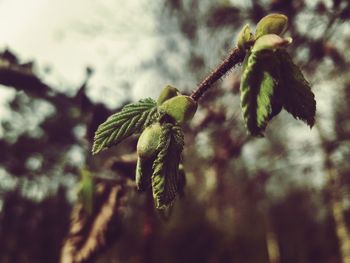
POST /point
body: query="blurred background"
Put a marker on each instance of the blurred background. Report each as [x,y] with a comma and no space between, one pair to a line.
[65,66]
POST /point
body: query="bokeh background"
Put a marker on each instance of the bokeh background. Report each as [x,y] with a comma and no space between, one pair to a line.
[66,65]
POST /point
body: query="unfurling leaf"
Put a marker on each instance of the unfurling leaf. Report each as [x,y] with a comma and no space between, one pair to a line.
[148,141]
[270,42]
[181,108]
[147,147]
[166,166]
[143,173]
[244,37]
[131,119]
[298,99]
[271,24]
[258,91]
[167,93]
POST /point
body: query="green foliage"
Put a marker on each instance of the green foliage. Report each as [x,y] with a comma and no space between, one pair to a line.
[133,118]
[271,24]
[180,108]
[167,93]
[258,85]
[244,38]
[166,166]
[160,144]
[270,42]
[147,149]
[149,141]
[298,98]
[162,171]
[270,80]
[143,173]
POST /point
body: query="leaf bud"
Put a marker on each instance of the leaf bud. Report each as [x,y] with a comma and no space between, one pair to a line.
[180,108]
[244,37]
[149,140]
[271,24]
[270,42]
[167,93]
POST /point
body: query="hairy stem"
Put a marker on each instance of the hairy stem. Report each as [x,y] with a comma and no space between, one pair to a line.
[235,56]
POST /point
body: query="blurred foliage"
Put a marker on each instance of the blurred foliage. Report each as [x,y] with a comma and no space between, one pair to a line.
[280,199]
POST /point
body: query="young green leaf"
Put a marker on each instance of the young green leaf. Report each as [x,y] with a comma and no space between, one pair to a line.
[298,99]
[258,91]
[270,42]
[149,140]
[244,37]
[271,24]
[131,119]
[143,173]
[181,108]
[167,93]
[147,149]
[166,166]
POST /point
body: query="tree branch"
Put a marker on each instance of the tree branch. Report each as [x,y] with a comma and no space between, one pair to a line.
[235,56]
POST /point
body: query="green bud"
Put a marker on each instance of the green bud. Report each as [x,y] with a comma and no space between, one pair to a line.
[270,42]
[244,37]
[167,93]
[271,24]
[180,108]
[149,141]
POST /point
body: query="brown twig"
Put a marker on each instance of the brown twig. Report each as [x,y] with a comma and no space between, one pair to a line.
[236,56]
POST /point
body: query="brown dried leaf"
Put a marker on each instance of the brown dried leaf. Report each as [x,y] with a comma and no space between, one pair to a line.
[88,235]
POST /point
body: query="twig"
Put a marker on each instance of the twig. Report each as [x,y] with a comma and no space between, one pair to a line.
[236,56]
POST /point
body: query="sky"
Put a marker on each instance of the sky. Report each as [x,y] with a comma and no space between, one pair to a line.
[67,36]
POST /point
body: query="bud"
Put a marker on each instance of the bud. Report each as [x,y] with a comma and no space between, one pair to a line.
[271,24]
[244,37]
[270,42]
[167,93]
[180,108]
[149,141]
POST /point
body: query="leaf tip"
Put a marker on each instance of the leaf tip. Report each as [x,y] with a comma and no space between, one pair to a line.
[96,149]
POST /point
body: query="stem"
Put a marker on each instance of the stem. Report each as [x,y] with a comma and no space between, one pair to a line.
[236,56]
